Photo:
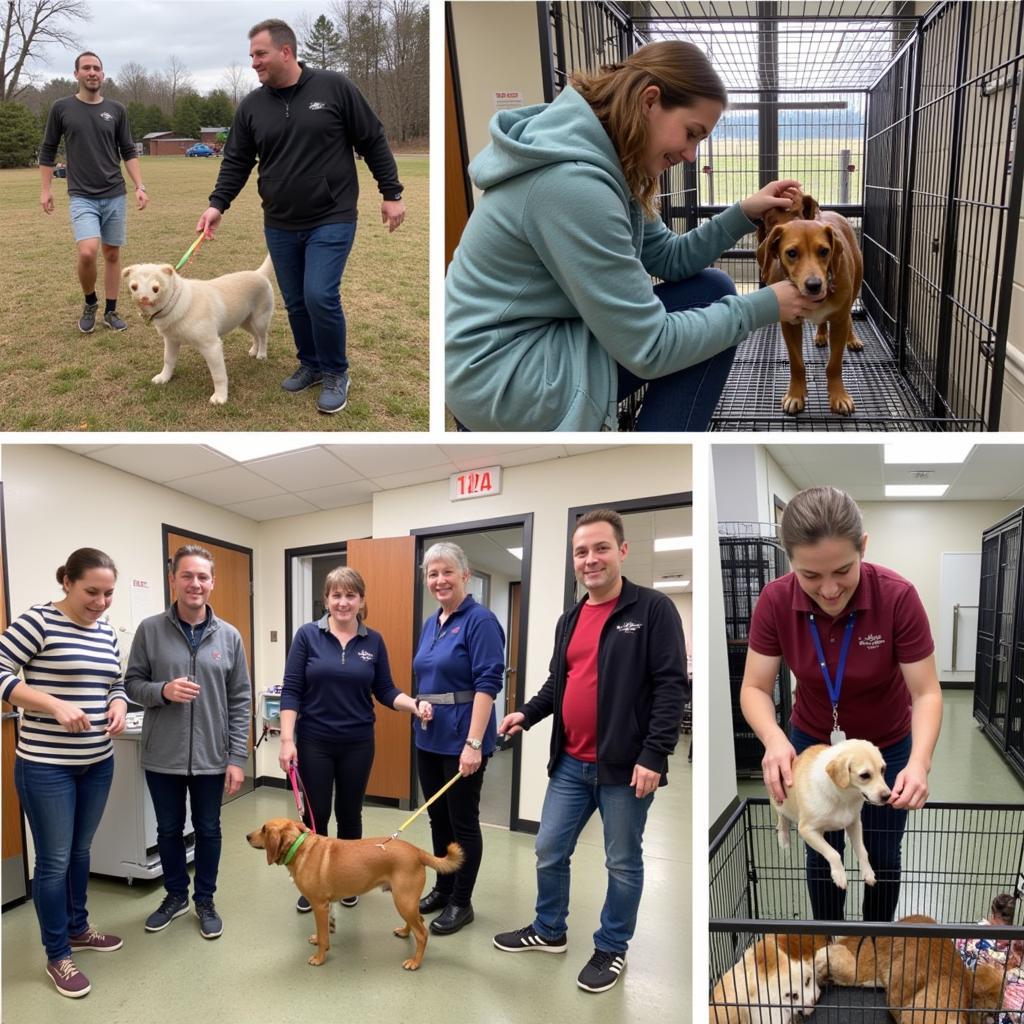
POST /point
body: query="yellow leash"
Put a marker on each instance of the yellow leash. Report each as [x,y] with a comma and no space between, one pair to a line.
[412,817]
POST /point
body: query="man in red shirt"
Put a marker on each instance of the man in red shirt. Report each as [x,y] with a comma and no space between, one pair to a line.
[616,689]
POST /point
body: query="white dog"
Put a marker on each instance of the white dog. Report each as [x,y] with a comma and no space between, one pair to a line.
[830,785]
[184,310]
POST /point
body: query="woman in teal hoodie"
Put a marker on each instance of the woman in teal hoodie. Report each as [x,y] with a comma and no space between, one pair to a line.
[551,316]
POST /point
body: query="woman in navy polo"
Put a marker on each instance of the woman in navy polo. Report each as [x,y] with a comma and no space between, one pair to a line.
[459,666]
[335,667]
[879,683]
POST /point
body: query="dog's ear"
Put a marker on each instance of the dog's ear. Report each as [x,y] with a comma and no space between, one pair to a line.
[167,270]
[835,249]
[838,770]
[272,843]
[810,208]
[768,250]
[126,272]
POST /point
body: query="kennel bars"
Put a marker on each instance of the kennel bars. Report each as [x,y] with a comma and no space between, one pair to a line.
[906,124]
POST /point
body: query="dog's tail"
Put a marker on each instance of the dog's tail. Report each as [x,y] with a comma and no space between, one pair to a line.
[443,865]
[266,268]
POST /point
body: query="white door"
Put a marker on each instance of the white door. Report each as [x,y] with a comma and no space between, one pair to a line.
[958,617]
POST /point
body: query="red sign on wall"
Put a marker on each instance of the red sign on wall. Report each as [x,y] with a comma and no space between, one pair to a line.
[475,483]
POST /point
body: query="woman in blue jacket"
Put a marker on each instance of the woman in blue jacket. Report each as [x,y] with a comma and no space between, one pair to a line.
[459,666]
[551,315]
[335,667]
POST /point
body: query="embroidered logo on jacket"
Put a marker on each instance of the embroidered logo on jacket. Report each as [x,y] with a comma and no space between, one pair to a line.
[215,654]
[629,627]
[366,655]
[455,630]
[106,116]
[317,105]
[872,641]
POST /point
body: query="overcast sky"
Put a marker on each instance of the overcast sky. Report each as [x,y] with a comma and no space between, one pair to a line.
[206,35]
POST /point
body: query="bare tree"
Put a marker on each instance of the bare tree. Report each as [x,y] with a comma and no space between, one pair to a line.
[29,27]
[234,82]
[135,82]
[177,78]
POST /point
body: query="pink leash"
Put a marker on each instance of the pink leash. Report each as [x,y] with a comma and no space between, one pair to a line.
[301,798]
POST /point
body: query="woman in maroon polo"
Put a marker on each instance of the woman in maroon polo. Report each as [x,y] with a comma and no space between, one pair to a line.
[868,626]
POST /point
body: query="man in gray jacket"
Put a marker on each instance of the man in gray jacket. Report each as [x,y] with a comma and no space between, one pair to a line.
[188,669]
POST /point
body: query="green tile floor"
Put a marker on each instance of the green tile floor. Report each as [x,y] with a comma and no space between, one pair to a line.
[257,970]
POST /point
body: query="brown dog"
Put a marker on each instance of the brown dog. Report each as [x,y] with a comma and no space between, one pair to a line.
[925,980]
[325,869]
[819,254]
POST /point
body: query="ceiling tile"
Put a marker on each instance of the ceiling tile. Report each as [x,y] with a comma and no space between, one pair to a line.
[162,462]
[275,507]
[359,492]
[375,460]
[301,471]
[226,486]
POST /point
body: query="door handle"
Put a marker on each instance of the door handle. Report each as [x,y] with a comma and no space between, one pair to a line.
[956,629]
[9,715]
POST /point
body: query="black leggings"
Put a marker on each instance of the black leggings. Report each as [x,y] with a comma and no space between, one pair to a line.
[455,818]
[341,768]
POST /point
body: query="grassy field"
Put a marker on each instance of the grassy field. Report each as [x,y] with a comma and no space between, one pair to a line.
[54,378]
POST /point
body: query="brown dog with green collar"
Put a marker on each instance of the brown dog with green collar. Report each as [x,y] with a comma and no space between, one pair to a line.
[325,869]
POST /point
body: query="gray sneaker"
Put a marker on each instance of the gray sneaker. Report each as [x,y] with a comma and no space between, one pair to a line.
[114,322]
[302,379]
[87,321]
[169,909]
[334,393]
[210,924]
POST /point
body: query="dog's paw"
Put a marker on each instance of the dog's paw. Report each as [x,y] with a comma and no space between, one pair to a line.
[853,343]
[316,960]
[784,839]
[841,403]
[403,932]
[869,876]
[161,378]
[821,339]
[410,965]
[793,403]
[839,877]
[216,399]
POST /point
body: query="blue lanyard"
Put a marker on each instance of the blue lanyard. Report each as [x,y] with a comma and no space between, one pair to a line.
[833,688]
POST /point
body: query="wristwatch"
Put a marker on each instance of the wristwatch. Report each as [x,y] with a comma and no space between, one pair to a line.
[475,744]
[140,188]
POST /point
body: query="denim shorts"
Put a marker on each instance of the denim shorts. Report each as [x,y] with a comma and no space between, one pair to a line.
[98,218]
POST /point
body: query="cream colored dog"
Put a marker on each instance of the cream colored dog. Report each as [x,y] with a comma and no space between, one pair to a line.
[184,310]
[830,785]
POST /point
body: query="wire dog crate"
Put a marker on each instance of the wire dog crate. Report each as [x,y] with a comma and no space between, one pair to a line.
[751,558]
[905,123]
[955,858]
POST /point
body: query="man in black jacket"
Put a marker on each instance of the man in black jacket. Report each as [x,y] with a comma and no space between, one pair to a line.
[303,126]
[616,688]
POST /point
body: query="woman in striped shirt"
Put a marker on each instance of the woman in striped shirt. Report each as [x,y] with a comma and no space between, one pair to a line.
[74,701]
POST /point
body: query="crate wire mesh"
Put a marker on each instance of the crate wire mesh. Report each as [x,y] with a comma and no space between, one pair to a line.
[905,124]
[956,858]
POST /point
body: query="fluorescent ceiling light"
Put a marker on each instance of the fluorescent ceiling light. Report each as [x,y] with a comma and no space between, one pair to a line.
[915,490]
[916,453]
[671,584]
[518,552]
[246,447]
[673,543]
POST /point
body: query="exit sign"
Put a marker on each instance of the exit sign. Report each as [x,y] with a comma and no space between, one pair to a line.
[475,483]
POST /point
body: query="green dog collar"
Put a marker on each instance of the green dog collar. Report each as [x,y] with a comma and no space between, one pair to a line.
[299,840]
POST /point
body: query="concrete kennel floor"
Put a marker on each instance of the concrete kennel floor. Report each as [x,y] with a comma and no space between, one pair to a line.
[257,971]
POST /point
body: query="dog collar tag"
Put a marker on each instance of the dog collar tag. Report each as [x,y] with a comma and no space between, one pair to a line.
[837,736]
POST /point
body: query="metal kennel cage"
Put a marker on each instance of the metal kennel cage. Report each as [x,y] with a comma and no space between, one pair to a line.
[955,858]
[907,124]
[751,557]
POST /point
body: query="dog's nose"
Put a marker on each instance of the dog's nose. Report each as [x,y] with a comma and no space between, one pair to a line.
[813,285]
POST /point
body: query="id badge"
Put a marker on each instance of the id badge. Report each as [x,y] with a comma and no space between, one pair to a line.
[837,736]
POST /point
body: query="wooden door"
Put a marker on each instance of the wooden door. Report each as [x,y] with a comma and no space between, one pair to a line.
[456,199]
[231,598]
[515,596]
[12,837]
[387,565]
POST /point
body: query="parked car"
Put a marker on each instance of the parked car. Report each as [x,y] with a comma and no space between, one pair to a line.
[199,149]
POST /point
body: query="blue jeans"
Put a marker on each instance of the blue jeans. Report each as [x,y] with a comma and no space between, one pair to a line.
[63,804]
[98,218]
[572,797]
[883,834]
[686,399]
[205,793]
[308,266]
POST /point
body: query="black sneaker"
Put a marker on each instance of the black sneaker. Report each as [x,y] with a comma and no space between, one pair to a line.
[172,907]
[302,905]
[301,379]
[349,901]
[114,322]
[87,321]
[333,395]
[602,971]
[210,924]
[526,939]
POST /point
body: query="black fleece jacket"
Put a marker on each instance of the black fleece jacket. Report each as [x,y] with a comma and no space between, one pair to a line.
[304,144]
[641,685]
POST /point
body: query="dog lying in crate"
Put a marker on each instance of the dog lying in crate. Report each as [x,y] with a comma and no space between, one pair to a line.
[774,983]
[818,252]
[924,979]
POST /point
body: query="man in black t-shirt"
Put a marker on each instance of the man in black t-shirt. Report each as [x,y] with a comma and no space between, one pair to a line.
[97,138]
